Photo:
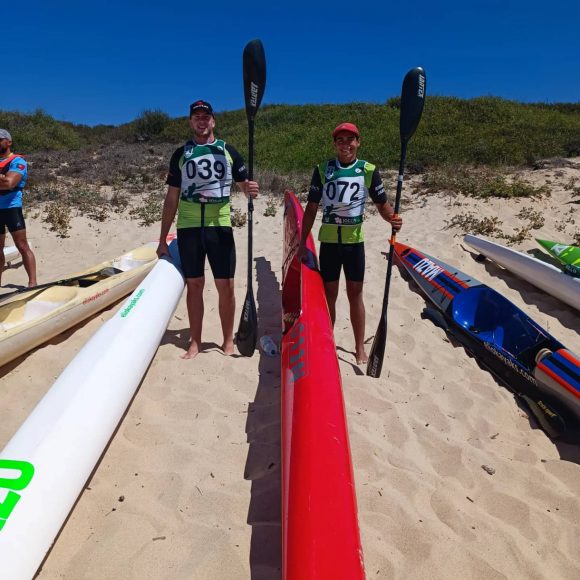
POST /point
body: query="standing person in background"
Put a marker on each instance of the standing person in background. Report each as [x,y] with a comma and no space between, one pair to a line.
[199,181]
[13,175]
[343,185]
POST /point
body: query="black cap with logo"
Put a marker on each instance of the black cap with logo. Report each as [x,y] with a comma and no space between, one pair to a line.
[200,106]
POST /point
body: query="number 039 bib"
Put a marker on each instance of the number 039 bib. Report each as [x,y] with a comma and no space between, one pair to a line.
[206,173]
[206,180]
[344,193]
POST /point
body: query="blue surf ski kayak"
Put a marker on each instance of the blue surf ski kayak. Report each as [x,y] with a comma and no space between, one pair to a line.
[518,351]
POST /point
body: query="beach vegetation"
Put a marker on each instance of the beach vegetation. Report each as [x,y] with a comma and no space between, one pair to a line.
[573,186]
[480,131]
[535,218]
[469,223]
[480,182]
[271,207]
[471,147]
[238,218]
[150,124]
[520,235]
[148,211]
[58,217]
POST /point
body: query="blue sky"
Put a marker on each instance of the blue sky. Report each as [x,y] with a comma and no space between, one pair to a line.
[106,62]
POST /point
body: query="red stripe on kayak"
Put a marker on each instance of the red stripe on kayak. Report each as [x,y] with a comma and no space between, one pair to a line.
[568,356]
[440,288]
[401,247]
[558,378]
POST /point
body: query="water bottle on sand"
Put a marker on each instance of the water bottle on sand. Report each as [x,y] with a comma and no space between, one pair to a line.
[268,346]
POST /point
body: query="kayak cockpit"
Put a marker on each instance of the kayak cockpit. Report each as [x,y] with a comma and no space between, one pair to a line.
[26,310]
[494,319]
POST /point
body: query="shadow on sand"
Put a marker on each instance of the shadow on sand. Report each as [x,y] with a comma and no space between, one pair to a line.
[568,445]
[263,464]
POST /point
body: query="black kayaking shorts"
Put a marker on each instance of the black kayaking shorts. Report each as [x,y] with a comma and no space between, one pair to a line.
[11,218]
[217,243]
[351,257]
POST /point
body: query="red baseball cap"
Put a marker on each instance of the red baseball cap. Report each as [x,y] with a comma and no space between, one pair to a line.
[350,127]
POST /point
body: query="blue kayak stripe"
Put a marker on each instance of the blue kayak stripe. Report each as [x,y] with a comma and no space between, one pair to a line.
[443,279]
[563,368]
[566,364]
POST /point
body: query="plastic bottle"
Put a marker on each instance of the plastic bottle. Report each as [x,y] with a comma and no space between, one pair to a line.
[268,346]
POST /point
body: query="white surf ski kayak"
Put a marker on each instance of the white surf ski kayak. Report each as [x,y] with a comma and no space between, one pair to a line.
[10,253]
[541,274]
[29,318]
[46,464]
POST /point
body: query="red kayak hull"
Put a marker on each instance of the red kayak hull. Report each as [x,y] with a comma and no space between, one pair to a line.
[320,531]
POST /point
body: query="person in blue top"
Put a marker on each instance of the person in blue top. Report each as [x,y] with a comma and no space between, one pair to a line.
[13,175]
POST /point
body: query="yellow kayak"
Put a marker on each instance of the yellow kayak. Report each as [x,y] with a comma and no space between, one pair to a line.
[33,316]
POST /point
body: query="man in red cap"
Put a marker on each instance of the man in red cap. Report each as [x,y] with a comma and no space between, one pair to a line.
[343,184]
[200,176]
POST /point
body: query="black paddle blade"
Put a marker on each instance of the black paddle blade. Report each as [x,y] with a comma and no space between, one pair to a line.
[100,274]
[375,363]
[247,335]
[412,102]
[254,76]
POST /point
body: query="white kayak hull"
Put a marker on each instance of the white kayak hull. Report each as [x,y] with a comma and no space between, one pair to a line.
[541,274]
[10,254]
[45,466]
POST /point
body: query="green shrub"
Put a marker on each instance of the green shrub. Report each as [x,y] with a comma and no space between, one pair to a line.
[39,131]
[150,124]
[289,138]
[58,216]
[470,224]
[477,182]
[148,211]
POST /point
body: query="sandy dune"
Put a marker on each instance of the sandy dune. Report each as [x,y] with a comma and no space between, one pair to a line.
[189,486]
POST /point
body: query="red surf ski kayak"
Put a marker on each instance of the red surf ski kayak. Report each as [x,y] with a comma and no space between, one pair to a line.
[320,533]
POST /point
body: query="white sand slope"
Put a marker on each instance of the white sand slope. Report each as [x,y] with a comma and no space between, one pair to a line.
[189,486]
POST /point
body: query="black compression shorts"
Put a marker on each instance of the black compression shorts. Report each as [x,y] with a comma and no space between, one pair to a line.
[217,243]
[11,218]
[351,257]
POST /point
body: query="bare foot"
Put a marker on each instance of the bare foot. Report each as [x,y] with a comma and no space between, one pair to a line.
[228,347]
[361,357]
[192,351]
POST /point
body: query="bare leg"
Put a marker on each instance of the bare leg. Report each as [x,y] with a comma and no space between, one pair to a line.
[227,309]
[331,291]
[354,291]
[28,258]
[195,313]
[2,260]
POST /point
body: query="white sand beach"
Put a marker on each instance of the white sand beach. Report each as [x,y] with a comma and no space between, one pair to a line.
[189,485]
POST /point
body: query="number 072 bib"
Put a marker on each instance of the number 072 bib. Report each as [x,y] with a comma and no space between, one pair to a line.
[344,193]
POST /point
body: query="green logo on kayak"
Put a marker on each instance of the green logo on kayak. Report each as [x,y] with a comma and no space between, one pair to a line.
[134,301]
[10,483]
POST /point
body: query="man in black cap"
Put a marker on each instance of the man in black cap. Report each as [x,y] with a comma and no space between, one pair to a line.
[13,175]
[200,176]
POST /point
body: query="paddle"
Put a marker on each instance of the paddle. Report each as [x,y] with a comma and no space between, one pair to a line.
[254,85]
[105,273]
[412,101]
